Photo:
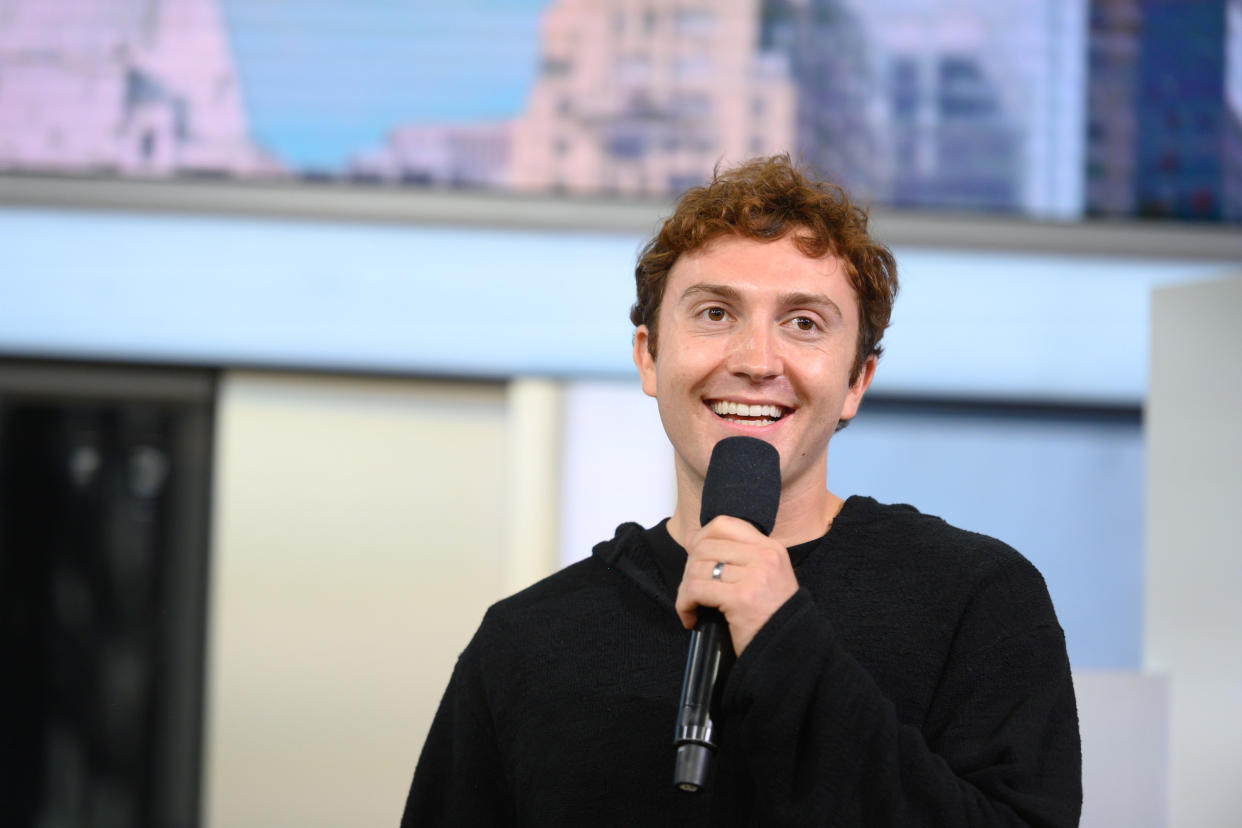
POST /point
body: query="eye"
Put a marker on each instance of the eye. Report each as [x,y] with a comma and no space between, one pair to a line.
[715,314]
[805,324]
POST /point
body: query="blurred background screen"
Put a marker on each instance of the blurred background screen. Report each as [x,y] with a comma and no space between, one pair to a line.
[1044,108]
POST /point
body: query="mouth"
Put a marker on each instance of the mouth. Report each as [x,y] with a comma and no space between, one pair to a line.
[747,414]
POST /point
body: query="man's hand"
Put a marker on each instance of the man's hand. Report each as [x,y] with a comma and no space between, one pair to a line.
[757,577]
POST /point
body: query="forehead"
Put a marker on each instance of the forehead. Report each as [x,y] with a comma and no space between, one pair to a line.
[760,267]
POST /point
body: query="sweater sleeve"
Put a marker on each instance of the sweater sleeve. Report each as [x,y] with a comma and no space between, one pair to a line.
[999,746]
[459,779]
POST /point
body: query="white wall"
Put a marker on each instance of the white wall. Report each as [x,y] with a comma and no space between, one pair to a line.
[357,540]
[1194,567]
[617,464]
[1123,721]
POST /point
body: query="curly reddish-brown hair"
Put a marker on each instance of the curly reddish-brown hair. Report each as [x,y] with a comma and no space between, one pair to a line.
[767,199]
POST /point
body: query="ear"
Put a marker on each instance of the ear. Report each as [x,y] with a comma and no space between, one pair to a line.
[644,361]
[853,398]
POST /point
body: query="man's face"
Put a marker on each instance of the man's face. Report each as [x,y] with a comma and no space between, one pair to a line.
[762,325]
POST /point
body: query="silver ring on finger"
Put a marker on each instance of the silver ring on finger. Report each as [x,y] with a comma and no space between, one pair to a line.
[718,570]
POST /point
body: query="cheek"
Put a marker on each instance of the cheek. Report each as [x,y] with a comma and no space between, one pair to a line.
[669,385]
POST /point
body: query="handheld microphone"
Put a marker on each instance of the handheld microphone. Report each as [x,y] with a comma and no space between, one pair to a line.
[743,480]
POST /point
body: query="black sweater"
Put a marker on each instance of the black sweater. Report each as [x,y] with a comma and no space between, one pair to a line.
[917,677]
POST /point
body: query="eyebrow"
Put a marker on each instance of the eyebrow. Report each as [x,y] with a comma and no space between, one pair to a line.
[812,300]
[721,291]
[798,299]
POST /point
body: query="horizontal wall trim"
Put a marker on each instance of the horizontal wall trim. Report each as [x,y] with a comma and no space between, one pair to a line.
[17,367]
[353,202]
[81,379]
[994,408]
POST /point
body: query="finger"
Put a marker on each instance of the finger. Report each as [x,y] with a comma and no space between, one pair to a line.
[720,571]
[688,617]
[687,608]
[730,528]
[764,551]
[694,594]
[717,549]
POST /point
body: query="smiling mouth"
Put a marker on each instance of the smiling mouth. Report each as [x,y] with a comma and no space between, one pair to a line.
[736,412]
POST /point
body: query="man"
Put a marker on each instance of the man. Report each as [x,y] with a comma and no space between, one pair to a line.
[891,670]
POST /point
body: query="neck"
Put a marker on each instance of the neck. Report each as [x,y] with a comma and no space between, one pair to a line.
[806,511]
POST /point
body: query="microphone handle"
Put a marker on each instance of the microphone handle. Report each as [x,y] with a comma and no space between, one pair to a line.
[743,480]
[710,653]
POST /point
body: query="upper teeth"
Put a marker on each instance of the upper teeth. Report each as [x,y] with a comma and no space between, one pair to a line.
[744,410]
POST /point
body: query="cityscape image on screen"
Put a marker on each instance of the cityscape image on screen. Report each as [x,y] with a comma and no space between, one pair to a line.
[1053,109]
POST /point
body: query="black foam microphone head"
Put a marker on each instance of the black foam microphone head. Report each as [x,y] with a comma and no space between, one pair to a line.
[744,481]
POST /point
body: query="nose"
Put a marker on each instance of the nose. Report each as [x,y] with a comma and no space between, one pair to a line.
[754,353]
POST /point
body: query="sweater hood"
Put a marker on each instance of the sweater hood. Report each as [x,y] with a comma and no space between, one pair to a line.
[629,554]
